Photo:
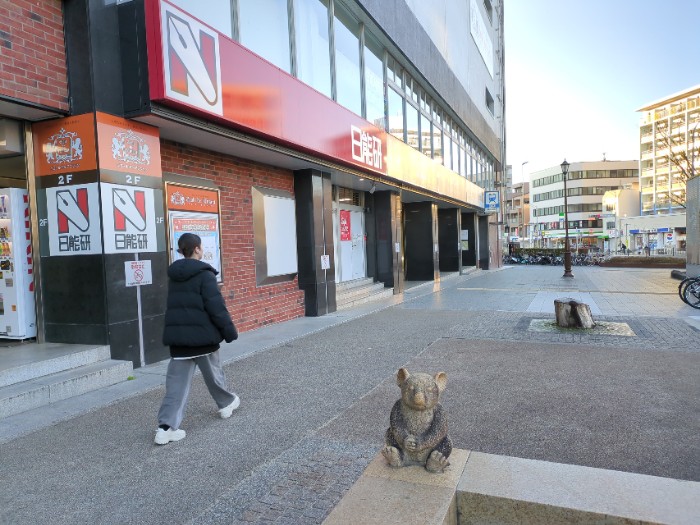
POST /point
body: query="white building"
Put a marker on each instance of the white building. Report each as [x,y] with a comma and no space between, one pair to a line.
[669,137]
[586,185]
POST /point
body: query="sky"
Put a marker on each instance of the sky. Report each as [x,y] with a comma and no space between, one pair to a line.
[577,71]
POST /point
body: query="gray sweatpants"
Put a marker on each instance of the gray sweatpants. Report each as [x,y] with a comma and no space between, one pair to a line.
[179,380]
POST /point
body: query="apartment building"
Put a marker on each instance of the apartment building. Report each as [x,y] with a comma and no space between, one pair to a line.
[517,215]
[669,137]
[586,185]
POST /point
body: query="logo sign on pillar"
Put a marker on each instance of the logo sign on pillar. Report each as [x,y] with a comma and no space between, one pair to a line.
[64,151]
[129,152]
[129,219]
[73,220]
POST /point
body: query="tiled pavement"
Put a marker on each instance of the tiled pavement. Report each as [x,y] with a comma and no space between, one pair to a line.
[315,404]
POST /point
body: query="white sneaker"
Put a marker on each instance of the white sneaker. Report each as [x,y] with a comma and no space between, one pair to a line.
[228,410]
[163,437]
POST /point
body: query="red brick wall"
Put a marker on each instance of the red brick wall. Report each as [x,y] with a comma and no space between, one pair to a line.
[251,306]
[32,52]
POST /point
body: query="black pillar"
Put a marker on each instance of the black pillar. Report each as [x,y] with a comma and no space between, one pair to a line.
[420,227]
[483,242]
[448,240]
[314,216]
[389,262]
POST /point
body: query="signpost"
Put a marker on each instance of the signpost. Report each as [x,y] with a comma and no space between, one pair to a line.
[138,273]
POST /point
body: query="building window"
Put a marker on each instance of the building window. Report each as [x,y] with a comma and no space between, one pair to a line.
[489,102]
[347,60]
[412,136]
[395,112]
[374,82]
[426,136]
[216,13]
[264,29]
[313,61]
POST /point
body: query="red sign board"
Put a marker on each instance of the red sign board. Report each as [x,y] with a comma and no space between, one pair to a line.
[345,233]
[226,82]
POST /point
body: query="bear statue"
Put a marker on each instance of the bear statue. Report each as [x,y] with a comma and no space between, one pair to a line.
[417,434]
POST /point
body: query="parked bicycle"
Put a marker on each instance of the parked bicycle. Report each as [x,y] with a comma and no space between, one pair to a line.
[689,291]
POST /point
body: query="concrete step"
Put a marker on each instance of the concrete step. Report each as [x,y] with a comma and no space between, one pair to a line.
[359,291]
[29,362]
[385,293]
[356,283]
[50,388]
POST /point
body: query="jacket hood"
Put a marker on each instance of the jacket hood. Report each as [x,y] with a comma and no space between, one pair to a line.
[184,269]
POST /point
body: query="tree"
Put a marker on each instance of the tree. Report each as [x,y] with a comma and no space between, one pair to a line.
[682,154]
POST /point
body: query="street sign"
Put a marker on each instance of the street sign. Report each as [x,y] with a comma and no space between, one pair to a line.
[491,201]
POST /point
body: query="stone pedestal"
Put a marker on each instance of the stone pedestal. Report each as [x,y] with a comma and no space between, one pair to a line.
[572,314]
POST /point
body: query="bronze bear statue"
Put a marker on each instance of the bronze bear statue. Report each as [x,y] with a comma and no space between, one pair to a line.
[417,434]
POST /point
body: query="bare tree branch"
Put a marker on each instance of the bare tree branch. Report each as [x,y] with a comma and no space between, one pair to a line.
[685,160]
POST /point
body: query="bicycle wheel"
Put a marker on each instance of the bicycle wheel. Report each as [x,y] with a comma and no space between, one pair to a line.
[691,294]
[682,286]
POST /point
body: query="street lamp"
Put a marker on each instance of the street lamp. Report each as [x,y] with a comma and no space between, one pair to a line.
[567,249]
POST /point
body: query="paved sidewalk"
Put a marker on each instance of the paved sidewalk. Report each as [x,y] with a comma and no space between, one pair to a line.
[316,395]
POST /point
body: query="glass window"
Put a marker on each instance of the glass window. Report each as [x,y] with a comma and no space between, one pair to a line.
[394,72]
[438,144]
[412,137]
[313,44]
[426,136]
[347,61]
[447,151]
[462,162]
[264,27]
[374,82]
[215,13]
[395,102]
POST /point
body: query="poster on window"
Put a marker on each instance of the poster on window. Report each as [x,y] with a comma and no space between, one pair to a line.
[345,233]
[206,225]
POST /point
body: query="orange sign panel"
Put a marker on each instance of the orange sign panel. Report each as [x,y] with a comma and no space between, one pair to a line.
[128,146]
[65,145]
[187,198]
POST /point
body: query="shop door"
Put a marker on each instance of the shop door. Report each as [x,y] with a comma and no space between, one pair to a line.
[351,245]
[358,244]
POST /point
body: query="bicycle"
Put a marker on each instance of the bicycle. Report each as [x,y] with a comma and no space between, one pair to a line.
[689,291]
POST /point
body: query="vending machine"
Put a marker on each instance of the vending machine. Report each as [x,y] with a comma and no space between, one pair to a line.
[17,310]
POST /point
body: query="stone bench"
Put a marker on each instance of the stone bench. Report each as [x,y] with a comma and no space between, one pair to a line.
[482,489]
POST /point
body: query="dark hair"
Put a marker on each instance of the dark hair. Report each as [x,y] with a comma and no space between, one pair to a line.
[187,243]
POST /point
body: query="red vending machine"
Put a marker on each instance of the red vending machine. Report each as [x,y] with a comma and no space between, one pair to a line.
[17,310]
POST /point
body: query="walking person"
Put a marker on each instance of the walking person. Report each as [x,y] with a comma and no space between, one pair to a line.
[196,321]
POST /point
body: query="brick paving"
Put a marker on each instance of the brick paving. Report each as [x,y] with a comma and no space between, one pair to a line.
[315,407]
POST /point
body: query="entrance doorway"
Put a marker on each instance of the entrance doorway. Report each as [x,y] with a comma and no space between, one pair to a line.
[350,241]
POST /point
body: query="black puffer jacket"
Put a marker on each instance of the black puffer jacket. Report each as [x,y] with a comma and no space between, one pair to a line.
[196,318]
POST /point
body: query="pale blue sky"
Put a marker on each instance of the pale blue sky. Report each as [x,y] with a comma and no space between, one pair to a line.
[577,71]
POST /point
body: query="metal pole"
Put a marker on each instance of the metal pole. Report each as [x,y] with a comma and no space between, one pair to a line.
[567,248]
